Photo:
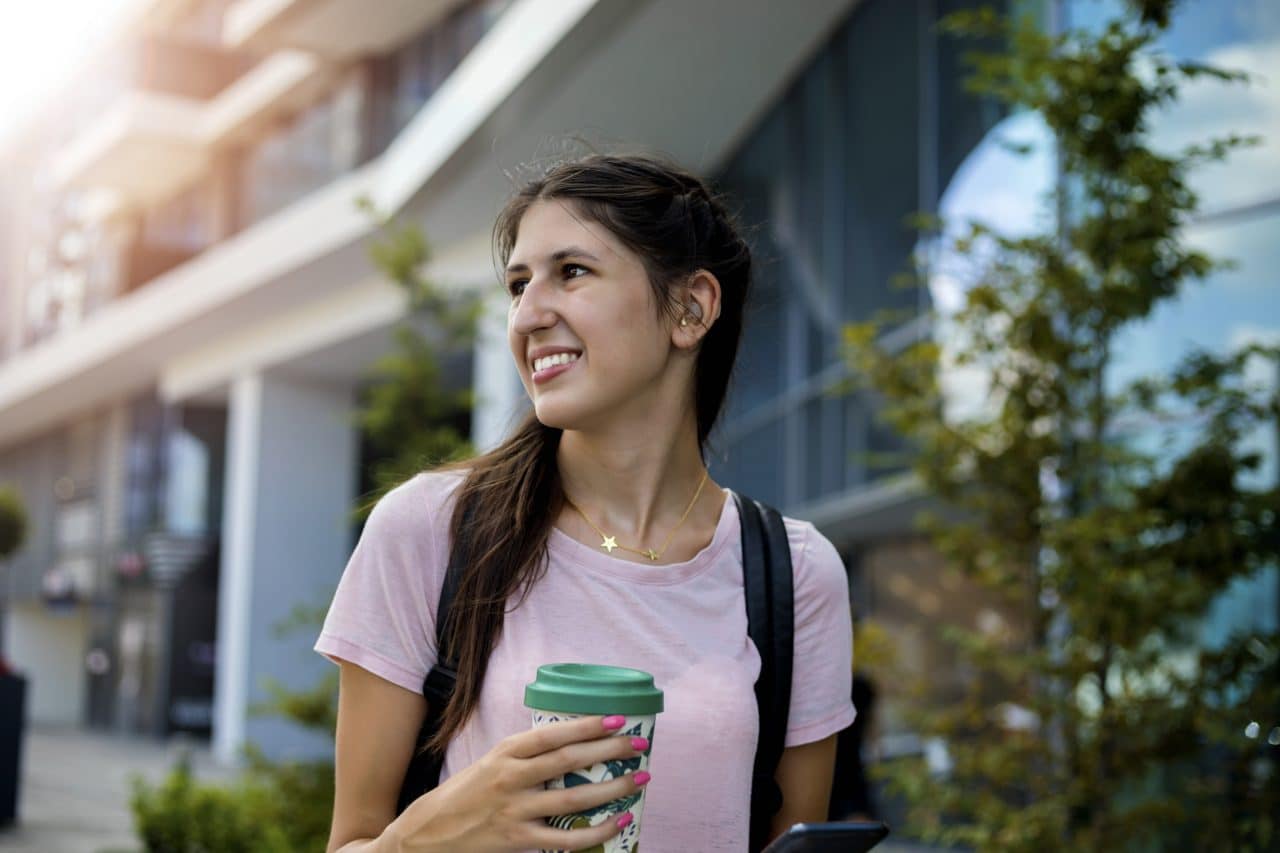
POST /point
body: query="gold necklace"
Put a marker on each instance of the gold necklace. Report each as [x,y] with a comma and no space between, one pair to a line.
[608,542]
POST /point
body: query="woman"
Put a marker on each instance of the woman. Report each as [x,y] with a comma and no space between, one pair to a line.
[600,538]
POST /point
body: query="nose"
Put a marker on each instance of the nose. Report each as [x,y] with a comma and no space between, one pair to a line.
[533,309]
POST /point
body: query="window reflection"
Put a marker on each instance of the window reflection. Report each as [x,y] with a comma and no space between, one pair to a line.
[1234,307]
[1008,192]
[1241,35]
[1240,204]
[829,180]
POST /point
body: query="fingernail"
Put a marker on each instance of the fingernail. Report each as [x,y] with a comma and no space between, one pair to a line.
[642,777]
[625,820]
[639,744]
[614,722]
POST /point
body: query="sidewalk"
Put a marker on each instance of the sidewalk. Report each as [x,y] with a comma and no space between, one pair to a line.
[75,789]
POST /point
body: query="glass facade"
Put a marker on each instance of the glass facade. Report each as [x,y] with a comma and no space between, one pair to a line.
[876,129]
[1239,199]
[1239,222]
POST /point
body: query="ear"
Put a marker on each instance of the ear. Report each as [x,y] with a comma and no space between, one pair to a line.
[700,306]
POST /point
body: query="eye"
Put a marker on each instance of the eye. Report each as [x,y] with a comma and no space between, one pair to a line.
[517,285]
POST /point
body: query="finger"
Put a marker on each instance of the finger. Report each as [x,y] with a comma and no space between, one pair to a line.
[555,735]
[547,837]
[579,798]
[574,757]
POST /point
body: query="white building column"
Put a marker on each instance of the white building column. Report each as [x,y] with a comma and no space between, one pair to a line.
[499,397]
[290,483]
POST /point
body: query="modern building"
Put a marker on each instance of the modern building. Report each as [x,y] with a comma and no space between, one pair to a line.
[189,310]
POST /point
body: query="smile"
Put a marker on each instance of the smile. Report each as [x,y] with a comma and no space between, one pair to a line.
[552,360]
[552,366]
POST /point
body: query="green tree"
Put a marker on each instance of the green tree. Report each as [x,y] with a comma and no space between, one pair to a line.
[408,416]
[1110,517]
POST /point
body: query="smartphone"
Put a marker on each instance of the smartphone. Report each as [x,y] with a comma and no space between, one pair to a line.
[851,837]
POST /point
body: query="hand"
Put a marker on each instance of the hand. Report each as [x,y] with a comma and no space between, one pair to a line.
[499,805]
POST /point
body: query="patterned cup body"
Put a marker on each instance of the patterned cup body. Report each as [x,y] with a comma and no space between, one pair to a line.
[628,840]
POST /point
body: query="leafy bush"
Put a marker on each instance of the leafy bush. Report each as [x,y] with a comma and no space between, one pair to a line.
[301,798]
[183,816]
[274,807]
[13,522]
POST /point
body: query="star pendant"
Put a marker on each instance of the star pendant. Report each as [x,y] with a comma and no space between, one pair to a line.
[608,544]
[652,554]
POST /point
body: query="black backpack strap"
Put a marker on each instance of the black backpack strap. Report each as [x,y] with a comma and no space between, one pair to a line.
[768,589]
[423,773]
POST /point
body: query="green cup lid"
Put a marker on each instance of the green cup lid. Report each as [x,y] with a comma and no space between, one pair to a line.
[587,688]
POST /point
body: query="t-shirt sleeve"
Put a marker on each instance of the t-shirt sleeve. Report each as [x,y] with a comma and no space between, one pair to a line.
[382,617]
[822,668]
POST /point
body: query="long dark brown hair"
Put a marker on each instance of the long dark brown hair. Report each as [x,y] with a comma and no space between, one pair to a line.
[676,226]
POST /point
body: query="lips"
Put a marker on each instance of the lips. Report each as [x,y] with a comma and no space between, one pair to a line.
[554,371]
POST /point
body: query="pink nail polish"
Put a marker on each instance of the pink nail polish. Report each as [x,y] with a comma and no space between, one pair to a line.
[614,722]
[625,821]
[639,744]
[642,777]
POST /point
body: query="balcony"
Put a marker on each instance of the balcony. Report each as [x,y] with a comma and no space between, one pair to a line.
[145,148]
[145,260]
[152,144]
[335,29]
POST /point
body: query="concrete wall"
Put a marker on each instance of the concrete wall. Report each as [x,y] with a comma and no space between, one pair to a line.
[291,479]
[48,647]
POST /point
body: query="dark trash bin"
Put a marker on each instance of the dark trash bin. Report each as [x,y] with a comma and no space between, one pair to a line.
[13,705]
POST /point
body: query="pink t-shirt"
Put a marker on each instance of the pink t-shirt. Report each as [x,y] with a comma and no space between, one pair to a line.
[684,622]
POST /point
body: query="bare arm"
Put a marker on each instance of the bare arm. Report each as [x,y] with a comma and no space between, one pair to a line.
[378,724]
[804,775]
[496,805]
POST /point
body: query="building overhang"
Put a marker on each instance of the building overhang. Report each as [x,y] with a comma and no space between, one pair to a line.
[141,149]
[281,84]
[547,69]
[884,509]
[336,29]
[151,145]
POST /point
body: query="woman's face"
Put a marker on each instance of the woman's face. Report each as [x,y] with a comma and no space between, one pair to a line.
[574,286]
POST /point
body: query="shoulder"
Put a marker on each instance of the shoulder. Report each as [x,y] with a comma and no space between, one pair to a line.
[417,508]
[817,567]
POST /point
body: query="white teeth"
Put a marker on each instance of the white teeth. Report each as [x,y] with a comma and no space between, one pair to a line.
[552,360]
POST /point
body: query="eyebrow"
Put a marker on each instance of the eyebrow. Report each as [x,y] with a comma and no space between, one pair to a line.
[570,252]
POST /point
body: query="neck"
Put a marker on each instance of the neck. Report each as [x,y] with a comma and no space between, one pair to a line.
[635,487]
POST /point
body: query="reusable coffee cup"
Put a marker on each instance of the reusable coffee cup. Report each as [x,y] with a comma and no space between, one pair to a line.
[565,691]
